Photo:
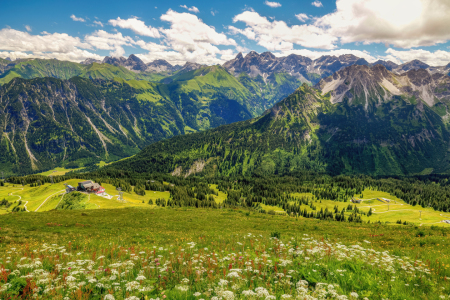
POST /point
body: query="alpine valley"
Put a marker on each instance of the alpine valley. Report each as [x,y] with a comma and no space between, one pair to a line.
[258,114]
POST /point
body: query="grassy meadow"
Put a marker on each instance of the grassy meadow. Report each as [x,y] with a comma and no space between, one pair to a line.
[47,196]
[220,254]
[80,246]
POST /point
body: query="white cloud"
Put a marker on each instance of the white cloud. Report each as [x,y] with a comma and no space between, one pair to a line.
[76,55]
[73,17]
[272,4]
[20,41]
[402,23]
[103,40]
[135,25]
[152,47]
[28,28]
[193,40]
[192,8]
[436,58]
[302,17]
[317,3]
[21,44]
[98,23]
[277,35]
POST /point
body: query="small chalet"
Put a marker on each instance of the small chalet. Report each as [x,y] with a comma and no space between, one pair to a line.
[69,189]
[356,200]
[90,187]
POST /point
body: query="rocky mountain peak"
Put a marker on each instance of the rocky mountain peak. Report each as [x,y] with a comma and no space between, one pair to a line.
[414,64]
[116,61]
[134,63]
[388,64]
[89,61]
[190,66]
[252,54]
[268,55]
[239,56]
[368,86]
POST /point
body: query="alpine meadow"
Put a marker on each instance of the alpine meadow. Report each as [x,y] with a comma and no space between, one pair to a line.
[238,150]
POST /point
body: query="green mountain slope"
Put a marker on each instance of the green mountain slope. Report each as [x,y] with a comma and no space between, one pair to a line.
[383,124]
[256,93]
[48,122]
[37,68]
[202,84]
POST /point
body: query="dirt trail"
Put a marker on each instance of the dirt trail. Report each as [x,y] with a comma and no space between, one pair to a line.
[20,198]
[48,198]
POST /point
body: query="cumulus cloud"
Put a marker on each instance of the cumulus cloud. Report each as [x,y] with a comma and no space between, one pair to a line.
[192,8]
[277,35]
[20,41]
[76,55]
[103,40]
[272,4]
[193,39]
[402,23]
[436,58]
[135,25]
[21,44]
[73,17]
[98,23]
[302,17]
[28,28]
[317,3]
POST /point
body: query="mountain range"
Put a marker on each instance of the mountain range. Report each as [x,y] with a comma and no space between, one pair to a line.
[361,120]
[58,113]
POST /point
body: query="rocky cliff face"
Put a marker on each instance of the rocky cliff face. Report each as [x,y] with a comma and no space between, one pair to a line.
[135,64]
[89,61]
[162,66]
[302,68]
[371,86]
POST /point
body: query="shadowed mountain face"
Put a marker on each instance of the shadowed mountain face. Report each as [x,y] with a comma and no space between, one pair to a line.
[373,122]
[49,122]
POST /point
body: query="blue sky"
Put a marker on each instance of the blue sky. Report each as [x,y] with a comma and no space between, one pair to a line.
[212,32]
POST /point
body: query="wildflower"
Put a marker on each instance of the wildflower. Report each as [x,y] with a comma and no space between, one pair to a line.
[227,295]
[233,275]
[354,295]
[140,278]
[109,297]
[197,294]
[183,288]
[132,285]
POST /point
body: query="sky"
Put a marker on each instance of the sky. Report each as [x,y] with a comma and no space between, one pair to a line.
[213,32]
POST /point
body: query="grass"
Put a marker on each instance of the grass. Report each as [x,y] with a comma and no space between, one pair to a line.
[58,171]
[383,212]
[49,195]
[237,238]
[221,195]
